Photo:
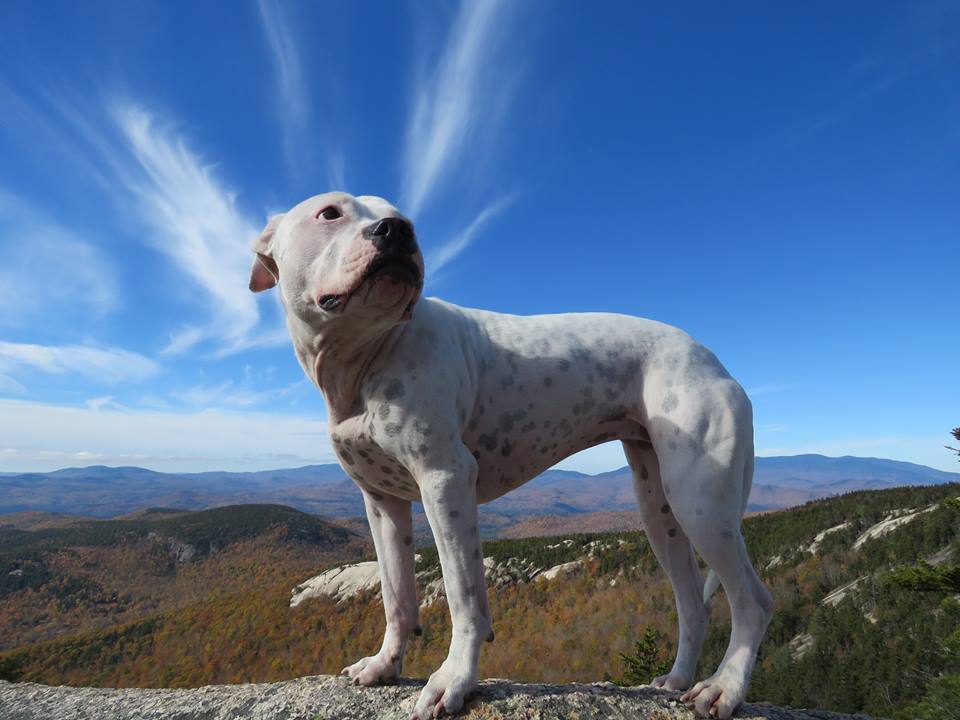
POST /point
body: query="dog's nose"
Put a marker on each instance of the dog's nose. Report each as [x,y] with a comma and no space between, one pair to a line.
[394,234]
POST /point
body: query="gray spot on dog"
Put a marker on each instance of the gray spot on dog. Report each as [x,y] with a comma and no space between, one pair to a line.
[347,457]
[665,509]
[394,390]
[670,402]
[507,420]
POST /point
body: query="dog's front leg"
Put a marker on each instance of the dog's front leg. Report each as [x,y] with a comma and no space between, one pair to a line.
[392,529]
[450,501]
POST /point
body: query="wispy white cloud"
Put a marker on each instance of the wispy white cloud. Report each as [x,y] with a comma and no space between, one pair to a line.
[920,41]
[105,401]
[767,389]
[772,427]
[107,365]
[292,102]
[44,437]
[196,223]
[48,267]
[453,99]
[446,253]
[291,105]
[230,394]
[34,121]
[9,386]
[182,340]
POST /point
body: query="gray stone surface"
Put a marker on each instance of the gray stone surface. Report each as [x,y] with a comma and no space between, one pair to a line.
[332,698]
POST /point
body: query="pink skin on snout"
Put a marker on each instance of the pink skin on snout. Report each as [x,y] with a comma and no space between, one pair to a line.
[318,258]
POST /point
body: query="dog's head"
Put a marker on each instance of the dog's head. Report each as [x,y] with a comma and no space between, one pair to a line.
[339,256]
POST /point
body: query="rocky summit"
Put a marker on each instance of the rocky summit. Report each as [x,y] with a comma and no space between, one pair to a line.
[324,697]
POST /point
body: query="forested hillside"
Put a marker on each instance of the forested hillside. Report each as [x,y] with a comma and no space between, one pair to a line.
[75,574]
[849,634]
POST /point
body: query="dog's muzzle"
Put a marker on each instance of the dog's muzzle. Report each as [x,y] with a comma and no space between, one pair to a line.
[396,243]
[393,236]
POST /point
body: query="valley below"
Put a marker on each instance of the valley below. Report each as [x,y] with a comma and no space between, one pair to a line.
[247,593]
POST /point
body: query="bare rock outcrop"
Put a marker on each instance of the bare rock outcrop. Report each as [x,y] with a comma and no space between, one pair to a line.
[331,698]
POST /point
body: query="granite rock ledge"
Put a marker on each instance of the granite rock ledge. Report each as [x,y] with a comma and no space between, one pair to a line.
[325,697]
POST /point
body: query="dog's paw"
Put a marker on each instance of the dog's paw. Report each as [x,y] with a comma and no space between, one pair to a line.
[444,692]
[379,669]
[717,696]
[672,681]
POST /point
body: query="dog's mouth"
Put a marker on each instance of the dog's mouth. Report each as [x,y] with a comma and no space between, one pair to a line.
[398,268]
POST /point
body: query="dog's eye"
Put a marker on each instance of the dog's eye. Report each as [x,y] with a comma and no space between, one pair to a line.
[330,212]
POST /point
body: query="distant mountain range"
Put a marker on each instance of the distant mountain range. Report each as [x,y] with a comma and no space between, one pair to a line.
[100,491]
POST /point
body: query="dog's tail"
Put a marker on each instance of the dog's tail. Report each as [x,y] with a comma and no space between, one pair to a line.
[710,587]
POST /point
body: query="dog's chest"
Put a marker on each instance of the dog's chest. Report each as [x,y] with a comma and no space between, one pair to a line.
[367,463]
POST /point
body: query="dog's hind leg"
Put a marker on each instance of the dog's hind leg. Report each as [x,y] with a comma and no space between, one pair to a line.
[675,553]
[705,449]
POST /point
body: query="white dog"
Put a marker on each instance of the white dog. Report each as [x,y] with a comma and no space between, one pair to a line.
[453,407]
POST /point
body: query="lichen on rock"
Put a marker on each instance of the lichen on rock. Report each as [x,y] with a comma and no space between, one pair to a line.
[324,697]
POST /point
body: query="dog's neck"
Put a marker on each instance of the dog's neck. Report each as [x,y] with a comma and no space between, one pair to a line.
[339,358]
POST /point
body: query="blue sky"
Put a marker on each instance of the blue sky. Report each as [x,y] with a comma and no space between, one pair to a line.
[781,181]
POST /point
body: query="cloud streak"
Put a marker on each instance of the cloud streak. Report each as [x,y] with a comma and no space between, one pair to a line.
[448,104]
[109,365]
[197,225]
[230,394]
[292,105]
[46,265]
[42,437]
[292,108]
[446,253]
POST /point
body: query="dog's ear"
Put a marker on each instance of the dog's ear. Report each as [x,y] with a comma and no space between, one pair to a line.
[264,273]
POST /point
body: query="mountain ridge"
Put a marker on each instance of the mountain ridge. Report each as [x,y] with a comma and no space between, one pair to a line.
[103,491]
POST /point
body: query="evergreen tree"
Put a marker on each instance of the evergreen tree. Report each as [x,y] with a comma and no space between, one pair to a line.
[646,662]
[956,433]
